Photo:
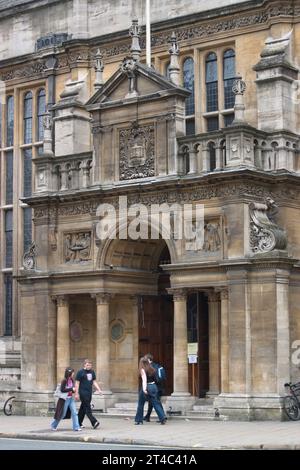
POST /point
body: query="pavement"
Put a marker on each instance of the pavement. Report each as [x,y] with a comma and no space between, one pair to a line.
[180,434]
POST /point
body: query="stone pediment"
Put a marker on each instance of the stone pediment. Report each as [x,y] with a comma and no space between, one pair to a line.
[132,80]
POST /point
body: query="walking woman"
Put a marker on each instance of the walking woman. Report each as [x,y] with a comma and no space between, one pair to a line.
[148,391]
[67,404]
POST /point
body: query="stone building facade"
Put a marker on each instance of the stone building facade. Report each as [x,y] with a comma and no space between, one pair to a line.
[214,122]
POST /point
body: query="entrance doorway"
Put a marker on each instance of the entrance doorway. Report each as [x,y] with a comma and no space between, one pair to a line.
[197,320]
[156,333]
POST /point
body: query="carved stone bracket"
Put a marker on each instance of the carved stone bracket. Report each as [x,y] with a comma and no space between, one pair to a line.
[265,235]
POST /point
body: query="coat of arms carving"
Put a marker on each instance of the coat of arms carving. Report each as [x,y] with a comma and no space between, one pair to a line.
[136,152]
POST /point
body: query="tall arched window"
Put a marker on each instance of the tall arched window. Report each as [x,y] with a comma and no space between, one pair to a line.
[10,121]
[212,156]
[28,118]
[189,84]
[228,77]
[41,109]
[211,79]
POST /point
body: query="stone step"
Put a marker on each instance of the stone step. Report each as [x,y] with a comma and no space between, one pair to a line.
[126,406]
[189,417]
[205,408]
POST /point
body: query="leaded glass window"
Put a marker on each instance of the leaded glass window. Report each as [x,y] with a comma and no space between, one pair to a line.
[27,228]
[41,109]
[211,78]
[228,77]
[10,121]
[9,177]
[28,118]
[8,238]
[27,172]
[212,155]
[8,288]
[212,123]
[188,83]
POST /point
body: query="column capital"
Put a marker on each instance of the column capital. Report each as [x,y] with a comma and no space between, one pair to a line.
[224,294]
[213,297]
[102,298]
[61,300]
[178,294]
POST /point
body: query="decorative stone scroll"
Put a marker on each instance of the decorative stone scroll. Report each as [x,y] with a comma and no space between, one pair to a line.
[265,235]
[77,247]
[136,152]
[29,258]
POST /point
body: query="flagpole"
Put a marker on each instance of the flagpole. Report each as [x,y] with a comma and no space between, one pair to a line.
[148,34]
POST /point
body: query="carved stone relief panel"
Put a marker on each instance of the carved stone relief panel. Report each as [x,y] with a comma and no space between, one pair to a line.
[212,236]
[136,146]
[77,247]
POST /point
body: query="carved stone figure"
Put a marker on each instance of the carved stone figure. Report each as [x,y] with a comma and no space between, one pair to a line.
[77,247]
[265,235]
[212,238]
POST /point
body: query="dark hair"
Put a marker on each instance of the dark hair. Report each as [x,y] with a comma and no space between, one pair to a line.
[145,364]
[149,356]
[68,372]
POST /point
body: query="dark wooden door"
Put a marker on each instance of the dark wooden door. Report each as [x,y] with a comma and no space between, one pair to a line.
[156,333]
[203,358]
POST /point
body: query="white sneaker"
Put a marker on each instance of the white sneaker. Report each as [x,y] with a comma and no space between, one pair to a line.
[53,429]
[79,429]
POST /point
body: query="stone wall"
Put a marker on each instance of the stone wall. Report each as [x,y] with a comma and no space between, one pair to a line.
[82,18]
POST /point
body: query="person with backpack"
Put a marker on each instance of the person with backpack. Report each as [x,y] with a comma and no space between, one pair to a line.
[148,391]
[160,378]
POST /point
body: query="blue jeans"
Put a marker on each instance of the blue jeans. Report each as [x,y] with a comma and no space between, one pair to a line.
[154,400]
[69,403]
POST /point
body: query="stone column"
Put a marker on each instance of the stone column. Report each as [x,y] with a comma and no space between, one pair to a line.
[214,344]
[62,336]
[205,159]
[219,162]
[102,341]
[193,161]
[224,342]
[181,382]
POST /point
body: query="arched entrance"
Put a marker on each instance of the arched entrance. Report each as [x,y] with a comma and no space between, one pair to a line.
[138,264]
[156,323]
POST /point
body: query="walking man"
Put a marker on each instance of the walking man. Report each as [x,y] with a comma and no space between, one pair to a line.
[85,379]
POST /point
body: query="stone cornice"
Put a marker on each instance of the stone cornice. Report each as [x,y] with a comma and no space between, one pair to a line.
[245,185]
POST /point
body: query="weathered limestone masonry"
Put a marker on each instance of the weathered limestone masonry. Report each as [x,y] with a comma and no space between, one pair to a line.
[116,128]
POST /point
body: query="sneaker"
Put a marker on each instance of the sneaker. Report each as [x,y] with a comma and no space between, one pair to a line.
[53,429]
[79,429]
[96,424]
[81,426]
[147,419]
